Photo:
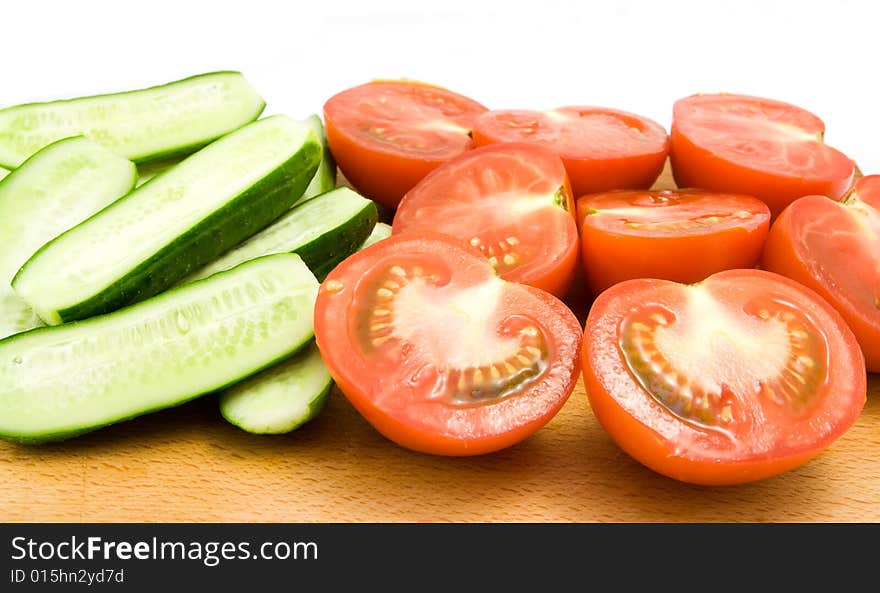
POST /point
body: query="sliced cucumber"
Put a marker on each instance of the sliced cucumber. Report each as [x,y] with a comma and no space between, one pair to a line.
[54,190]
[284,397]
[323,231]
[142,125]
[57,382]
[281,398]
[177,222]
[380,231]
[325,177]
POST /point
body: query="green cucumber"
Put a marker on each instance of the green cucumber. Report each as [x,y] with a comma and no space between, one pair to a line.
[175,118]
[281,398]
[58,382]
[284,397]
[175,223]
[380,231]
[323,231]
[325,177]
[54,190]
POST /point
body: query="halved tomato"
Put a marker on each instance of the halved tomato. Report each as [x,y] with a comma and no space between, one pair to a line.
[741,377]
[834,248]
[510,201]
[438,353]
[603,149]
[681,235]
[760,147]
[388,134]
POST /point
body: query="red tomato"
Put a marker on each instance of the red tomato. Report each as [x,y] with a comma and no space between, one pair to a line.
[602,149]
[834,248]
[438,353]
[512,202]
[683,235]
[738,378]
[386,135]
[760,147]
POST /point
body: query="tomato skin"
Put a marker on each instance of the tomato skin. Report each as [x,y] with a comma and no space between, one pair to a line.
[384,170]
[786,253]
[696,164]
[434,427]
[641,426]
[465,198]
[611,255]
[592,165]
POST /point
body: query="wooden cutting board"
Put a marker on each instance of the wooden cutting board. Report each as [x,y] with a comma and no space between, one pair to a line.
[187,464]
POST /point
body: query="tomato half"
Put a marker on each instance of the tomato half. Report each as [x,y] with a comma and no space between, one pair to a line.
[682,235]
[760,147]
[603,149]
[388,134]
[438,353]
[834,248]
[741,377]
[510,201]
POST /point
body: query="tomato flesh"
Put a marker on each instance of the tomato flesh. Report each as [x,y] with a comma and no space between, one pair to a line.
[387,135]
[510,201]
[602,149]
[440,354]
[833,248]
[761,147]
[679,235]
[738,378]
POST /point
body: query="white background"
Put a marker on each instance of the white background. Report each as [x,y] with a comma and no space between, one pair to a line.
[634,55]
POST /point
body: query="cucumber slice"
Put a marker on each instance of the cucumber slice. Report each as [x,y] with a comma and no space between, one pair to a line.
[323,231]
[54,190]
[325,177]
[57,382]
[142,125]
[284,397]
[281,398]
[177,222]
[380,231]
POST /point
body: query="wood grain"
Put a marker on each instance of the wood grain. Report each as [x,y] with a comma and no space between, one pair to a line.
[187,464]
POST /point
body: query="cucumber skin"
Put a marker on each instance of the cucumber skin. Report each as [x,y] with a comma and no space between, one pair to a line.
[321,256]
[171,152]
[222,230]
[64,435]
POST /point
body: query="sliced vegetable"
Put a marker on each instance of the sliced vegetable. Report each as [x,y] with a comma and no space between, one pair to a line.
[175,118]
[57,188]
[322,231]
[437,352]
[380,232]
[603,149]
[682,235]
[178,222]
[741,377]
[325,177]
[281,398]
[510,201]
[388,134]
[62,381]
[759,147]
[834,248]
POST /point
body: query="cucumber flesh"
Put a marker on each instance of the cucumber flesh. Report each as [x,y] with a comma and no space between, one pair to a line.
[325,177]
[54,190]
[281,398]
[158,233]
[380,231]
[57,382]
[175,118]
[323,231]
[284,397]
